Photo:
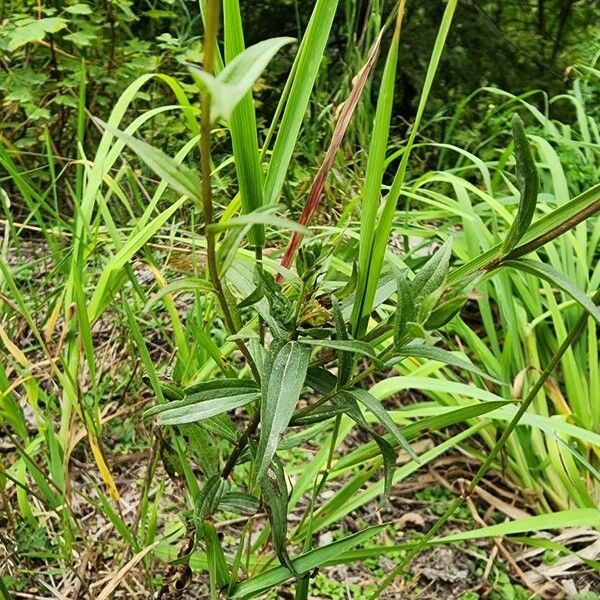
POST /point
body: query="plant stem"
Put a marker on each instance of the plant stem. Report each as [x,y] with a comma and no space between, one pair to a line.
[241,445]
[210,44]
[458,502]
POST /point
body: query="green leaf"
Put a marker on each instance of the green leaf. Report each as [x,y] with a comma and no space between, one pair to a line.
[528,181]
[389,462]
[280,307]
[261,216]
[321,413]
[544,228]
[238,77]
[80,38]
[445,310]
[374,405]
[368,267]
[448,416]
[354,346]
[275,576]
[574,517]
[114,276]
[301,82]
[405,309]
[186,284]
[244,136]
[275,500]
[345,362]
[282,383]
[180,178]
[555,277]
[239,503]
[440,355]
[207,501]
[205,400]
[206,504]
[34,31]
[79,9]
[432,274]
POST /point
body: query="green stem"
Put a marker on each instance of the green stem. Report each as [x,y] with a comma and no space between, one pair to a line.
[210,45]
[491,457]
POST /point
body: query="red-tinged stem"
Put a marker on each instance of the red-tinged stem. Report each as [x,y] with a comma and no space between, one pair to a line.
[316,189]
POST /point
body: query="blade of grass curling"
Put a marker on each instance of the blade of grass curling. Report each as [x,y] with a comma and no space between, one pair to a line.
[374,174]
[375,251]
[528,181]
[316,189]
[304,73]
[459,501]
[243,129]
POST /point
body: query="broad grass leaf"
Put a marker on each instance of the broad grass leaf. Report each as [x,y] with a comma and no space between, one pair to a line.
[301,81]
[283,379]
[238,76]
[575,517]
[528,181]
[244,135]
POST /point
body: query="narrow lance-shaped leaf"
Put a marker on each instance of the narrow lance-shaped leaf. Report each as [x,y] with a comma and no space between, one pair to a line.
[238,77]
[353,346]
[180,178]
[205,505]
[239,503]
[282,383]
[433,273]
[405,309]
[528,180]
[275,499]
[440,355]
[205,400]
[558,279]
[385,447]
[344,358]
[373,405]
